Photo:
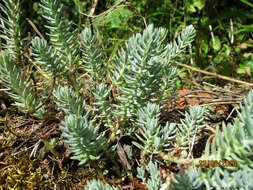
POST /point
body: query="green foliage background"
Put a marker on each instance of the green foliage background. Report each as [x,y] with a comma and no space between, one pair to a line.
[218,53]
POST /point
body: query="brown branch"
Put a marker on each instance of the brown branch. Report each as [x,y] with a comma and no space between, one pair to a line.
[216,75]
[93,8]
[35,28]
[104,13]
[92,11]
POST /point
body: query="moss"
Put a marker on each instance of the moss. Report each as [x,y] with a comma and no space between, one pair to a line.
[20,173]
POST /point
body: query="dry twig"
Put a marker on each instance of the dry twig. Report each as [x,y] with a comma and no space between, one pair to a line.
[35,28]
[216,75]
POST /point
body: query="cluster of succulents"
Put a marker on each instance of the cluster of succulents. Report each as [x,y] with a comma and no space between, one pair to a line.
[125,96]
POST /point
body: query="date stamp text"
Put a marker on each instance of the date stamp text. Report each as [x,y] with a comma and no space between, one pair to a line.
[218,163]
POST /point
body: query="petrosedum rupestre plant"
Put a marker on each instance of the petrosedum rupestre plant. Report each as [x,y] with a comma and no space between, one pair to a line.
[156,140]
[152,136]
[15,81]
[233,141]
[19,88]
[144,71]
[125,97]
[11,29]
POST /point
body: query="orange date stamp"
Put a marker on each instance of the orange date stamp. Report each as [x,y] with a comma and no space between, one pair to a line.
[217,163]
